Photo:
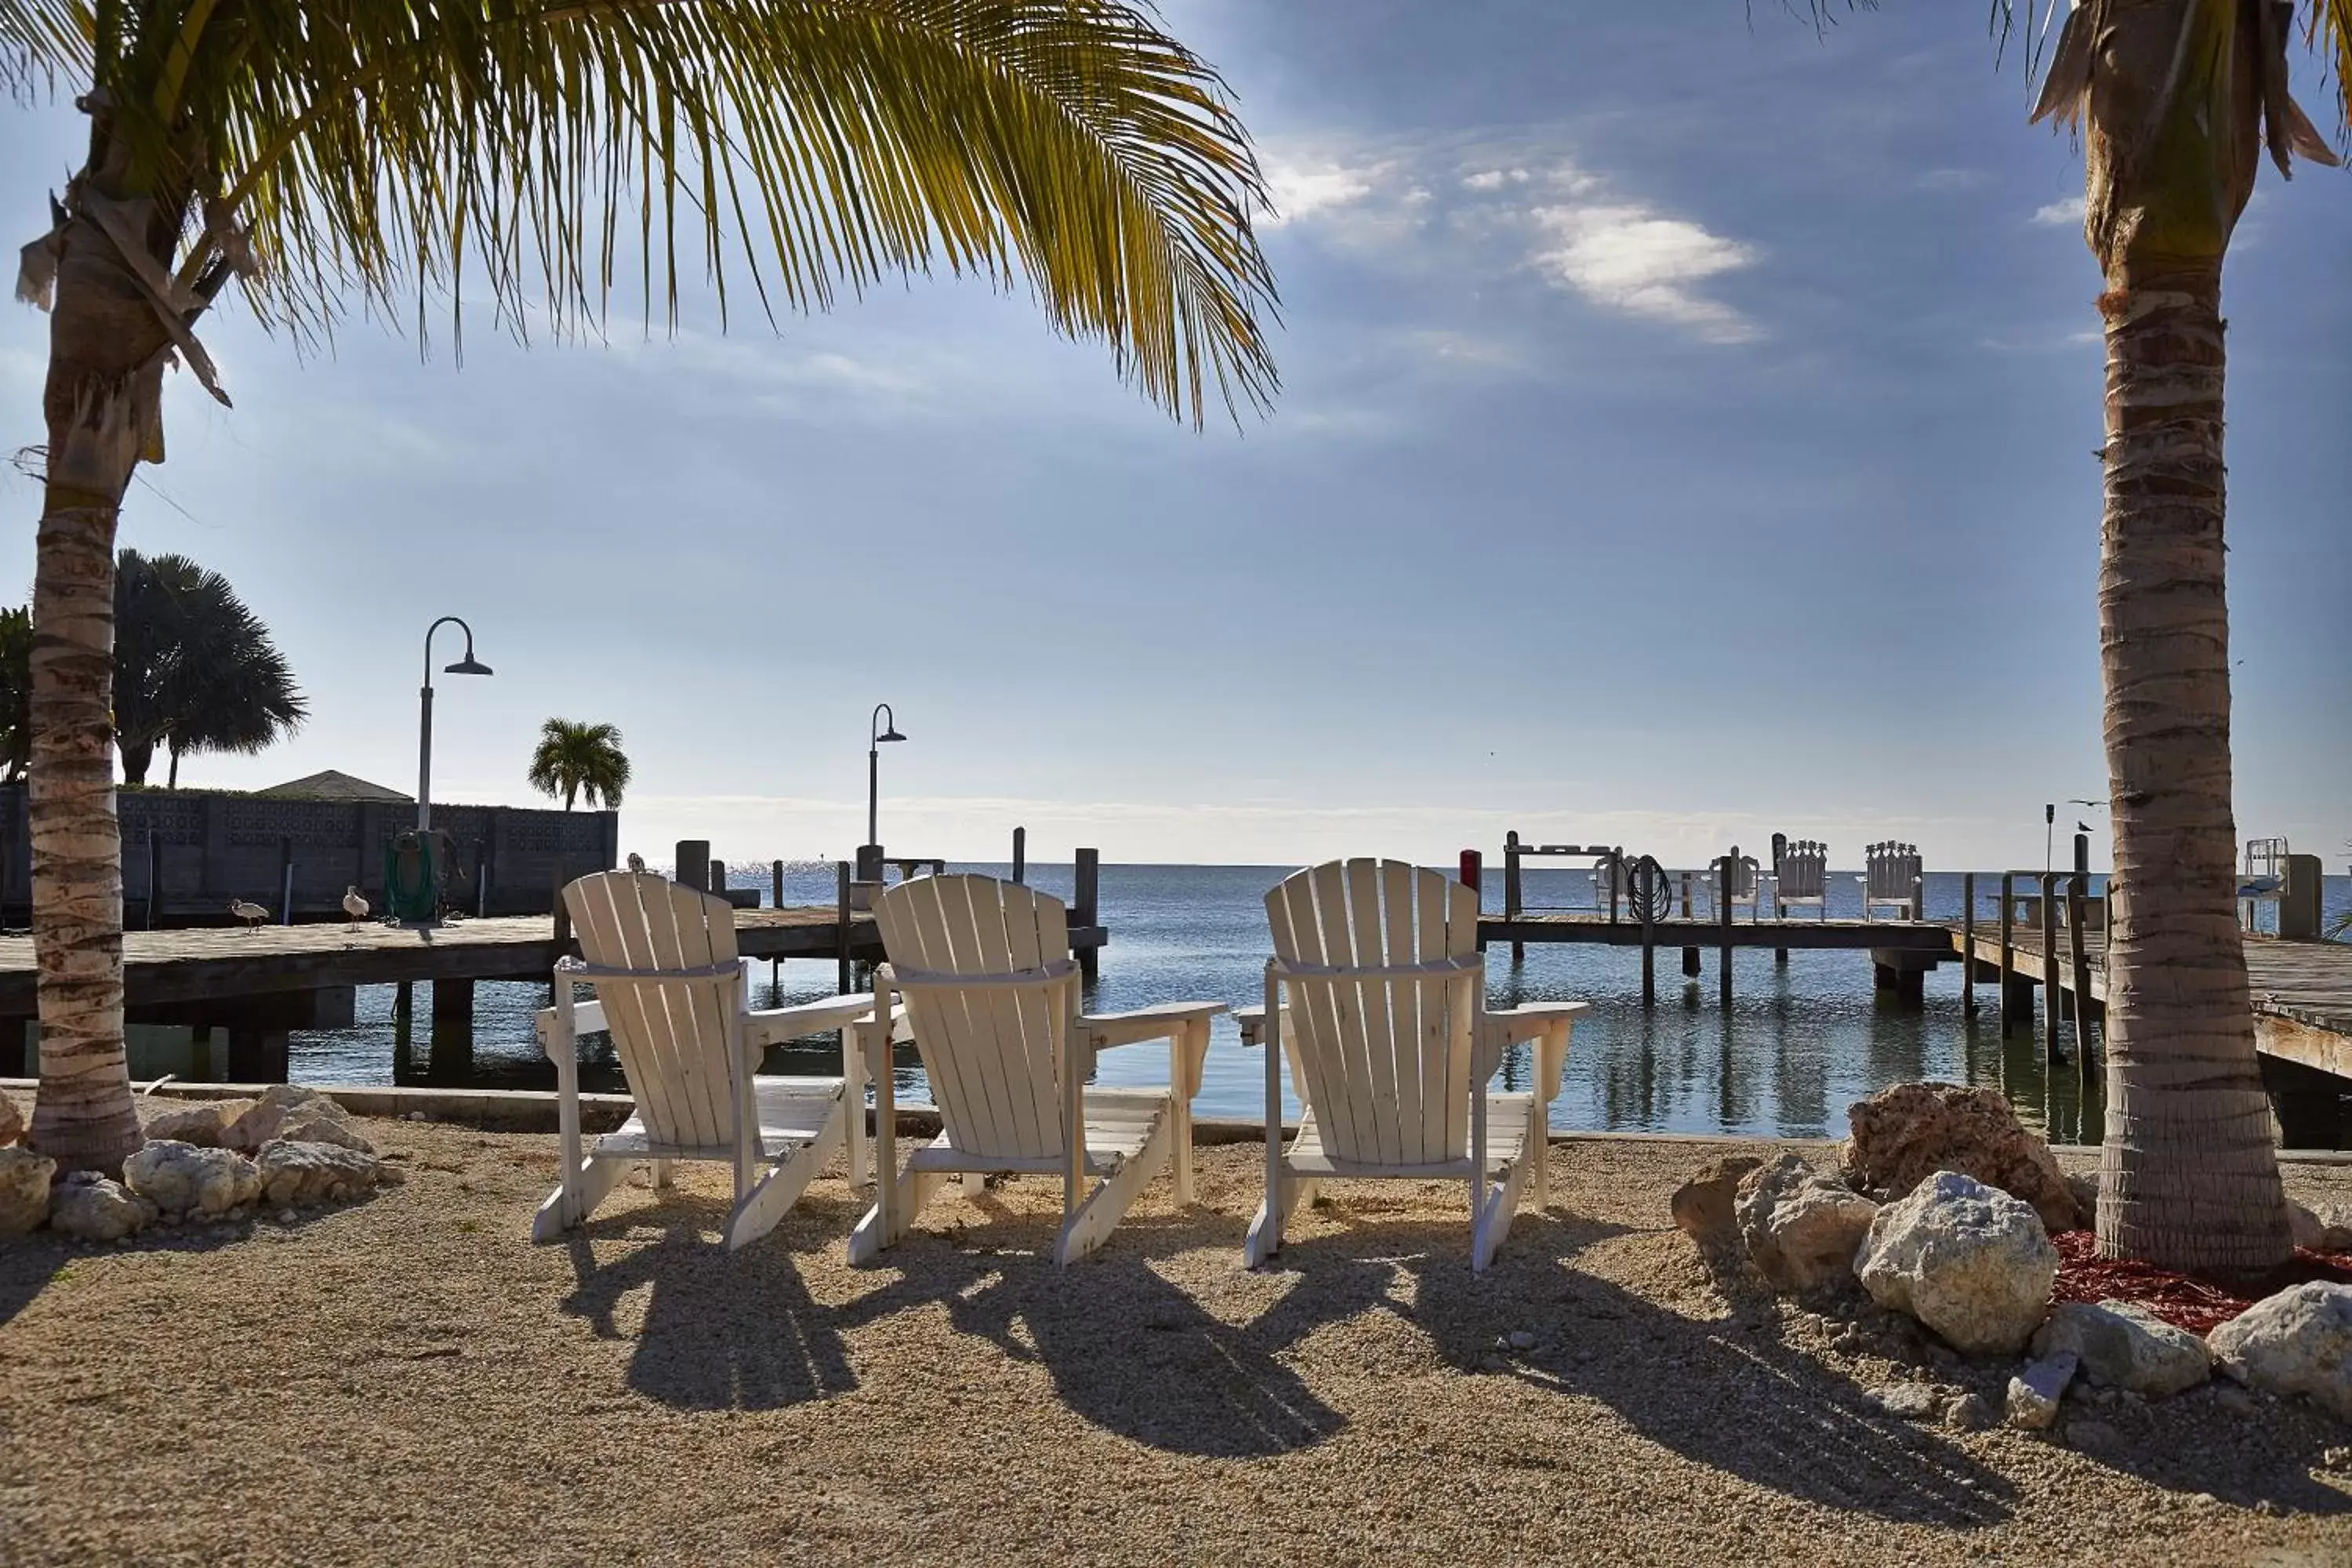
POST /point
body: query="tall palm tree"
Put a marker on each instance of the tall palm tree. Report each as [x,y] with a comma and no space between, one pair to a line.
[318,151]
[2176,100]
[574,758]
[194,669]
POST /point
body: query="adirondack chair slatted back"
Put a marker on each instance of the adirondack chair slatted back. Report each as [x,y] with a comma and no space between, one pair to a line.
[1891,871]
[1803,870]
[1743,877]
[994,1053]
[674,1037]
[1387,1061]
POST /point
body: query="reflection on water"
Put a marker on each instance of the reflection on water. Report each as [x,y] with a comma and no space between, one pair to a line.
[1801,1042]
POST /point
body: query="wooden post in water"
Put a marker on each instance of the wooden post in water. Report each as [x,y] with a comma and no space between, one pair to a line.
[1084,889]
[692,863]
[2004,1003]
[2052,991]
[1723,908]
[1020,855]
[775,901]
[841,925]
[1648,909]
[1511,891]
[2078,890]
[1967,943]
[1690,954]
[718,883]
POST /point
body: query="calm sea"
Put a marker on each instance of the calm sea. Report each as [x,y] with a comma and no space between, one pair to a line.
[1801,1042]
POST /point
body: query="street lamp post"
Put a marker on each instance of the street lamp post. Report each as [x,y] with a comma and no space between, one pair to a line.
[468,665]
[881,730]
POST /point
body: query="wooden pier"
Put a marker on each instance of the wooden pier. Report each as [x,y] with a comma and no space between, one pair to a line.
[258,983]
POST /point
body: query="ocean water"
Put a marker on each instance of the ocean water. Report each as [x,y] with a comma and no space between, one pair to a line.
[1801,1042]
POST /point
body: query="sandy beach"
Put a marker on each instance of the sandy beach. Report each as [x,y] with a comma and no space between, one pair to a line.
[408,1379]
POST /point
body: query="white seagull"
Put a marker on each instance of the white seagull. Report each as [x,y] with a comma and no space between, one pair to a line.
[353,905]
[252,915]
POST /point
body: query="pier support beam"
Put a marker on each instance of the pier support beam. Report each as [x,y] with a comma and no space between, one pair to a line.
[1690,962]
[2307,1104]
[257,1056]
[1904,973]
[452,1055]
[15,1051]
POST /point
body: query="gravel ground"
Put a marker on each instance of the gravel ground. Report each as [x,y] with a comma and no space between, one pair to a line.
[408,1379]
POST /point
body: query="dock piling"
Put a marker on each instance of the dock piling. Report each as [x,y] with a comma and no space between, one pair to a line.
[841,925]
[1512,903]
[1723,913]
[2078,891]
[2005,1003]
[1968,943]
[1084,888]
[2050,989]
[1020,855]
[692,866]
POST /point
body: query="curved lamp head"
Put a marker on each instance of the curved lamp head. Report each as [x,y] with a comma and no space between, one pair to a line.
[884,728]
[468,665]
[890,734]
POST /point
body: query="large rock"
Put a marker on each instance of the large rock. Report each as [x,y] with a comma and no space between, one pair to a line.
[2327,1228]
[95,1208]
[2035,1391]
[12,1121]
[295,1174]
[2121,1345]
[1704,1205]
[1969,1262]
[2297,1342]
[298,1115]
[1905,1135]
[204,1123]
[24,1179]
[1803,1228]
[183,1179]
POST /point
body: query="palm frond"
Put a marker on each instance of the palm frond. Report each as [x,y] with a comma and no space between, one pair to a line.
[398,153]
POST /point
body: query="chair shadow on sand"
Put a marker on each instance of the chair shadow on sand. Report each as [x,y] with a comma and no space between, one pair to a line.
[1735,1400]
[722,1330]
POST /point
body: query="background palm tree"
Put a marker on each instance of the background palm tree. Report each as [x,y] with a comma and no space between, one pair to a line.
[318,151]
[573,759]
[194,670]
[2176,102]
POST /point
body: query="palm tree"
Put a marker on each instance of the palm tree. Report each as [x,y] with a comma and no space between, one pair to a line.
[2175,100]
[194,670]
[573,757]
[318,151]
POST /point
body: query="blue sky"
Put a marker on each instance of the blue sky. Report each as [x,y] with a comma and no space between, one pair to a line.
[1687,434]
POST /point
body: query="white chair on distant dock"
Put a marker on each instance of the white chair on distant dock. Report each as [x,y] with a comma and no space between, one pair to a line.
[991,999]
[1390,1048]
[661,958]
[1747,887]
[1891,878]
[1800,877]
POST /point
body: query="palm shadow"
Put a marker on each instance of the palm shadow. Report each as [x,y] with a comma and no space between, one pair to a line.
[1728,1395]
[722,1330]
[28,1265]
[1124,1349]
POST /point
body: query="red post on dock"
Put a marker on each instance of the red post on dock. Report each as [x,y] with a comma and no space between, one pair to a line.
[1474,865]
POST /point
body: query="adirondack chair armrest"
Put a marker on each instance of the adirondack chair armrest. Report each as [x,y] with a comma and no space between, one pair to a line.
[775,1024]
[1547,1024]
[587,1018]
[1252,1022]
[1161,1022]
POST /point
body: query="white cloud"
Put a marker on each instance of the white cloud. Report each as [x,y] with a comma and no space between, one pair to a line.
[1495,179]
[2056,214]
[1630,258]
[1301,191]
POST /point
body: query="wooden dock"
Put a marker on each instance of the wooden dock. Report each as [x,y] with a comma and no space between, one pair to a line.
[2302,989]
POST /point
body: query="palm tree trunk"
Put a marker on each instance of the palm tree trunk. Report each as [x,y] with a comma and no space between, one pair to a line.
[105,362]
[2188,1177]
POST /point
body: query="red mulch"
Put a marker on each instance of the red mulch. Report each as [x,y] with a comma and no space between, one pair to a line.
[2181,1300]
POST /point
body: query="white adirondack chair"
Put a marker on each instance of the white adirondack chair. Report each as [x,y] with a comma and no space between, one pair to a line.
[1891,878]
[992,999]
[1746,887]
[1800,876]
[661,957]
[1390,1048]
